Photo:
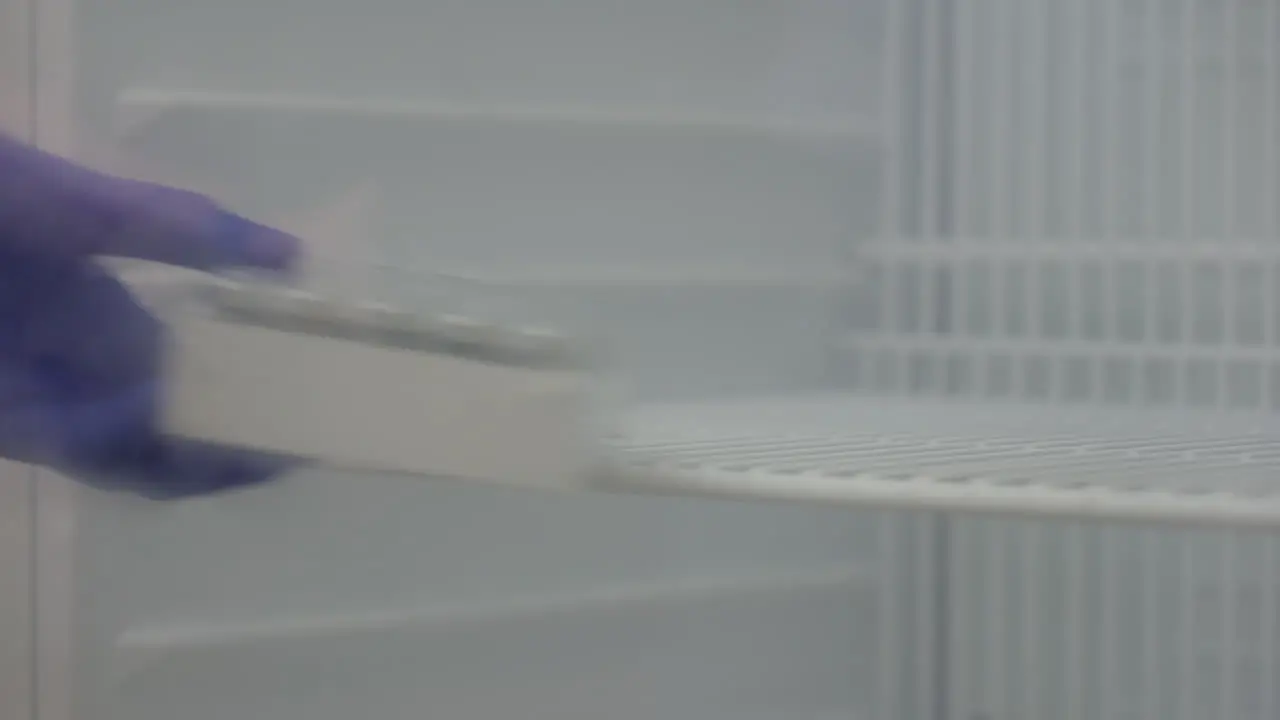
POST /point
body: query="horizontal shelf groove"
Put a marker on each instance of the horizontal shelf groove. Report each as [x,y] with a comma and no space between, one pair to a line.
[606,277]
[143,643]
[569,275]
[1058,351]
[142,104]
[946,249]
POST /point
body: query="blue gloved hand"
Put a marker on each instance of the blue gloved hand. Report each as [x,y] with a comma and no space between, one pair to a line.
[79,357]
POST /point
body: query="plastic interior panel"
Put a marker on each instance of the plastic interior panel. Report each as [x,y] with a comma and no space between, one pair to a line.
[626,171]
[330,575]
[1072,269]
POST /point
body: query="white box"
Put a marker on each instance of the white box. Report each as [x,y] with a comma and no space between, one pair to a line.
[304,389]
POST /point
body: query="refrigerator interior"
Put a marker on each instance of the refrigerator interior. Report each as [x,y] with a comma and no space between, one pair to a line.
[1017,234]
[683,180]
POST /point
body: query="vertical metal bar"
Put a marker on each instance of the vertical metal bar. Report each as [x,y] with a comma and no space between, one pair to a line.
[1014,150]
[1186,308]
[1187,650]
[891,324]
[999,63]
[1232,311]
[1270,292]
[960,696]
[1271,122]
[1076,622]
[1071,18]
[929,177]
[932,621]
[927,209]
[1075,28]
[1112,161]
[1109,627]
[1035,77]
[892,209]
[1024,85]
[927,307]
[1034,61]
[1271,180]
[891,126]
[1267,628]
[1040,79]
[1187,194]
[996,176]
[997,657]
[1187,120]
[1231,92]
[965,88]
[1151,304]
[1230,48]
[1230,579]
[1099,43]
[1153,135]
[1152,645]
[1152,221]
[997,301]
[1032,622]
[944,616]
[889,669]
[963,19]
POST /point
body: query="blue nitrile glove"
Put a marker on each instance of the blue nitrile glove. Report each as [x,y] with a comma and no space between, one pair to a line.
[79,357]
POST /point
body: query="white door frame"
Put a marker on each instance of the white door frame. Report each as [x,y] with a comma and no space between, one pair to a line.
[55,500]
[17,616]
[17,492]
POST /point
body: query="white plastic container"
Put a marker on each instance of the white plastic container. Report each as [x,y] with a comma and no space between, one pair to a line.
[374,388]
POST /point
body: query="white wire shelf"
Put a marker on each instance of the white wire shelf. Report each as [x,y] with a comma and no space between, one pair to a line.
[1007,460]
[139,105]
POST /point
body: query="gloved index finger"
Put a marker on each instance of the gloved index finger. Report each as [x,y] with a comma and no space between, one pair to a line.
[52,206]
